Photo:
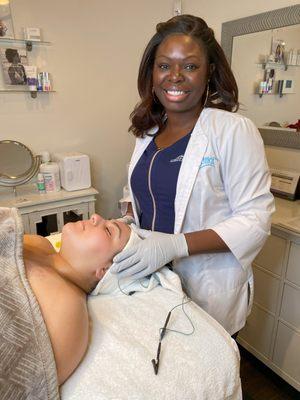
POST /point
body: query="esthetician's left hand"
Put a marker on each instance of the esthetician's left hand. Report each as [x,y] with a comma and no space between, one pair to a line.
[156,250]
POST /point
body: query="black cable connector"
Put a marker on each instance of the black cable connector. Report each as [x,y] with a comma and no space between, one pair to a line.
[155,363]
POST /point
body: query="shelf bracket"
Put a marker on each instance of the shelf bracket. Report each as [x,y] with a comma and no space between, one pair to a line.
[28,45]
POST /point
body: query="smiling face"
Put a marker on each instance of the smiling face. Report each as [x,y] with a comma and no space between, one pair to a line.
[180,74]
[89,246]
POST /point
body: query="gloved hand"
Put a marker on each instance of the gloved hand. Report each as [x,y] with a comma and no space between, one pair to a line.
[127,219]
[156,250]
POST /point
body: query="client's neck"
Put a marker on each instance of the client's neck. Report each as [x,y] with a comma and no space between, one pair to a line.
[67,272]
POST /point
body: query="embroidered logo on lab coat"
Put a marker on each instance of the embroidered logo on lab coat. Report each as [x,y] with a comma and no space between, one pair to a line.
[208,162]
[177,159]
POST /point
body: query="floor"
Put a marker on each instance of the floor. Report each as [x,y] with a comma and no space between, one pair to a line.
[260,383]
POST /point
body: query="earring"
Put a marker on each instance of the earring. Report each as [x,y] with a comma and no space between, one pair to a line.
[207,94]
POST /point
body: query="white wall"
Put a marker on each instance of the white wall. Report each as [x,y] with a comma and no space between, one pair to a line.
[94,59]
[215,12]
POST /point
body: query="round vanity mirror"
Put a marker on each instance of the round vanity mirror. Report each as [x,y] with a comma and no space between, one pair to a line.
[21,156]
[17,163]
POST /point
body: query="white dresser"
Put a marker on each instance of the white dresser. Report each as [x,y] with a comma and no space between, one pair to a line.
[272,331]
[44,214]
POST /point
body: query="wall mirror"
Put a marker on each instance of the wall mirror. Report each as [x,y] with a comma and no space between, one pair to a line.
[247,43]
[17,163]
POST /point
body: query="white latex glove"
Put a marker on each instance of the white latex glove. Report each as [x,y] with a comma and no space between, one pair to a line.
[127,219]
[156,250]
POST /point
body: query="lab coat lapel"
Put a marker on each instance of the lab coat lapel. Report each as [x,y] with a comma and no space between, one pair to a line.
[188,173]
[140,147]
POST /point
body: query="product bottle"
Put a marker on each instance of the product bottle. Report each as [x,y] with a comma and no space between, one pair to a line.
[270,81]
[50,171]
[41,183]
[39,86]
[46,82]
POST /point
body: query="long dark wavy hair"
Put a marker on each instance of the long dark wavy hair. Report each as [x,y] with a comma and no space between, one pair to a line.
[223,90]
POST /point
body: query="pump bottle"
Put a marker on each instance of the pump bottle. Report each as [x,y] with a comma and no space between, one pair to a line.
[50,171]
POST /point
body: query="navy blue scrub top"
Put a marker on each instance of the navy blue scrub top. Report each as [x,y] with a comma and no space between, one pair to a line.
[153,183]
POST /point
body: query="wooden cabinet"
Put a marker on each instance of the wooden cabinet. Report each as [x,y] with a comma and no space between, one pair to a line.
[44,214]
[258,331]
[272,331]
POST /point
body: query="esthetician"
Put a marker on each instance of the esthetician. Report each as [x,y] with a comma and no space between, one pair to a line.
[198,177]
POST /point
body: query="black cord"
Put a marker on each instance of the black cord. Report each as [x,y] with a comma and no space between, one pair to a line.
[164,329]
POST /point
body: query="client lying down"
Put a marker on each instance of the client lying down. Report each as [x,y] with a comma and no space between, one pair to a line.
[118,361]
[60,281]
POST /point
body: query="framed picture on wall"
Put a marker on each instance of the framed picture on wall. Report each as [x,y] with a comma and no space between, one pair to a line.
[6,23]
[13,61]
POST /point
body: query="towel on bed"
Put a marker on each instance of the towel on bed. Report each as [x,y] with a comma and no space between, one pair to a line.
[27,366]
[124,340]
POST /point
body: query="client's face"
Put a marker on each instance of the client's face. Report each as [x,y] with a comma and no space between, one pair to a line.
[93,242]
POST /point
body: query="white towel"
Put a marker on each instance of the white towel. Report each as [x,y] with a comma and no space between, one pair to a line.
[124,340]
[110,283]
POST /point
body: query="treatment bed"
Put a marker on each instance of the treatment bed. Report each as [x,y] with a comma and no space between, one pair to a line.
[125,330]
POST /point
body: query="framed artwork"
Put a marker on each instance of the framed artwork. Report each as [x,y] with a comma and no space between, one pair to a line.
[6,23]
[13,61]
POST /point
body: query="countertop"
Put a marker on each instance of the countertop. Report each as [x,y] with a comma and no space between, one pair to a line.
[287,216]
[27,195]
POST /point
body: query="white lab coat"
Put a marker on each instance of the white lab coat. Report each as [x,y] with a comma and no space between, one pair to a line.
[224,185]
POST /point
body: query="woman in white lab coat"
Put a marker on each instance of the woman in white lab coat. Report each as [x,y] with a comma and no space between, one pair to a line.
[198,177]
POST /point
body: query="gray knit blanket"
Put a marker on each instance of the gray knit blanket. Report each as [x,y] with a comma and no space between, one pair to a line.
[27,366]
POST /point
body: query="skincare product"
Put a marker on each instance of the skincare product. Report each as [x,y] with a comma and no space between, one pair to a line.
[43,82]
[261,87]
[31,76]
[46,81]
[50,171]
[290,57]
[41,183]
[32,34]
[39,82]
[294,57]
[269,79]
